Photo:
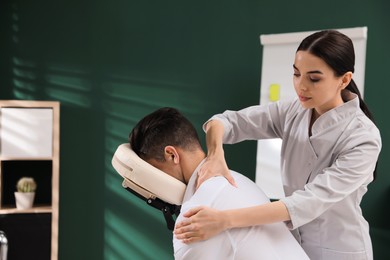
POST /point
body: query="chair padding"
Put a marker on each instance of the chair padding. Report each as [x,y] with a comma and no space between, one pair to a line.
[145,179]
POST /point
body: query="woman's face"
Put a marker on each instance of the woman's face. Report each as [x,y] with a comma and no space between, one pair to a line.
[316,84]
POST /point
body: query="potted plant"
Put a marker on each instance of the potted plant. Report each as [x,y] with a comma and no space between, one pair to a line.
[25,194]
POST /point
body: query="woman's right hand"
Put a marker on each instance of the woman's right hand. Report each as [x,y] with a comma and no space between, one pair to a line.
[200,223]
[215,165]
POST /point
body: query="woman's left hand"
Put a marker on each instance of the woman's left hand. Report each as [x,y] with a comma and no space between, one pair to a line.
[201,223]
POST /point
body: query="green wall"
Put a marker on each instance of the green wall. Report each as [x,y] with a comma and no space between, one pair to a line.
[111,62]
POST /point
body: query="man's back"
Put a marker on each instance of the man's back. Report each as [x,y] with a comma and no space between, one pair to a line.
[272,241]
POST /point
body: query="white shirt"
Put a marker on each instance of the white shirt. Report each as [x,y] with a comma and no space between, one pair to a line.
[260,242]
[324,176]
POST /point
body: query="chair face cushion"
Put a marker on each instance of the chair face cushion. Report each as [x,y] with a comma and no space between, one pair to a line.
[145,179]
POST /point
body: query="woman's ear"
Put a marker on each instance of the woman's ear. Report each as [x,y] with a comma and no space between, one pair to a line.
[171,154]
[345,79]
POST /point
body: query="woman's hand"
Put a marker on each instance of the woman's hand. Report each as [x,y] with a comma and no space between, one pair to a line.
[201,223]
[214,166]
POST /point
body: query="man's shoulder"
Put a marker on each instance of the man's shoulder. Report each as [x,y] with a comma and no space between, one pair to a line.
[223,195]
[218,193]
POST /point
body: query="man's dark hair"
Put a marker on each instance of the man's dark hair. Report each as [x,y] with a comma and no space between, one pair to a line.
[165,126]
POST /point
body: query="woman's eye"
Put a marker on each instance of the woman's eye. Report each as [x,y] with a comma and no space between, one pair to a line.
[314,80]
[297,74]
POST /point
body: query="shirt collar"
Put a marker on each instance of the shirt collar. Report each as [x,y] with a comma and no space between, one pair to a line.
[191,186]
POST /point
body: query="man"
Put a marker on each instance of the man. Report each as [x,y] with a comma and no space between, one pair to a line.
[168,141]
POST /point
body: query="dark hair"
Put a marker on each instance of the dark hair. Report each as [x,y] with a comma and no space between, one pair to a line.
[336,49]
[165,126]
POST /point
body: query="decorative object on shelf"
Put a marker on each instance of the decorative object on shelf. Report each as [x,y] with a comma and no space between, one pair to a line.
[25,194]
[3,246]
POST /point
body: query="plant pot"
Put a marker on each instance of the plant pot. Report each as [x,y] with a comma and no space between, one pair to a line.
[24,200]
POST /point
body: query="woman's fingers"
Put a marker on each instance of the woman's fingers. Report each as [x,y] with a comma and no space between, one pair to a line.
[182,227]
[186,230]
[192,211]
[201,223]
[188,234]
[231,180]
[214,167]
[185,225]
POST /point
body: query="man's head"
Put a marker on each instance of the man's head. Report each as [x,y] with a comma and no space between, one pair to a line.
[166,139]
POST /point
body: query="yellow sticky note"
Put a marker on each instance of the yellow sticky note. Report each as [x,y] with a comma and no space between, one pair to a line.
[274,92]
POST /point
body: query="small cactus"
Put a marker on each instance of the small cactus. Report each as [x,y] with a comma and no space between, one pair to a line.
[26,184]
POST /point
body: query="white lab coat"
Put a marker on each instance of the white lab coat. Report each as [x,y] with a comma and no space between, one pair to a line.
[267,242]
[324,176]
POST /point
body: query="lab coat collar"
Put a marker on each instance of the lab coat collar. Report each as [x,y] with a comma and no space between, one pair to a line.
[337,114]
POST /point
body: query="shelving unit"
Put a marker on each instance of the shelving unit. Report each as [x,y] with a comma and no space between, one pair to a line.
[29,146]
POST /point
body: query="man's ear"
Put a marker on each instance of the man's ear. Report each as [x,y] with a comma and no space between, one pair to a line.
[171,154]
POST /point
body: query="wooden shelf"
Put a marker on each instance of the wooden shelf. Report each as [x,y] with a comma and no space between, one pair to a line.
[38,209]
[7,158]
[30,146]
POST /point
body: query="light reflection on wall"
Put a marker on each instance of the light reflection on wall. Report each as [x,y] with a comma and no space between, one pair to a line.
[133,229]
[150,93]
[122,235]
[35,75]
[69,85]
[62,83]
[24,78]
[15,24]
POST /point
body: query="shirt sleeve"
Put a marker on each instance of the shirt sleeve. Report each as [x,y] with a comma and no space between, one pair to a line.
[253,123]
[351,170]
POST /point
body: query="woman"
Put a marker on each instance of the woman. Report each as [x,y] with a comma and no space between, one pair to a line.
[329,154]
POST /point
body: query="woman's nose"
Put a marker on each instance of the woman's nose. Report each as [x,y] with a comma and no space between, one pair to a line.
[302,86]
